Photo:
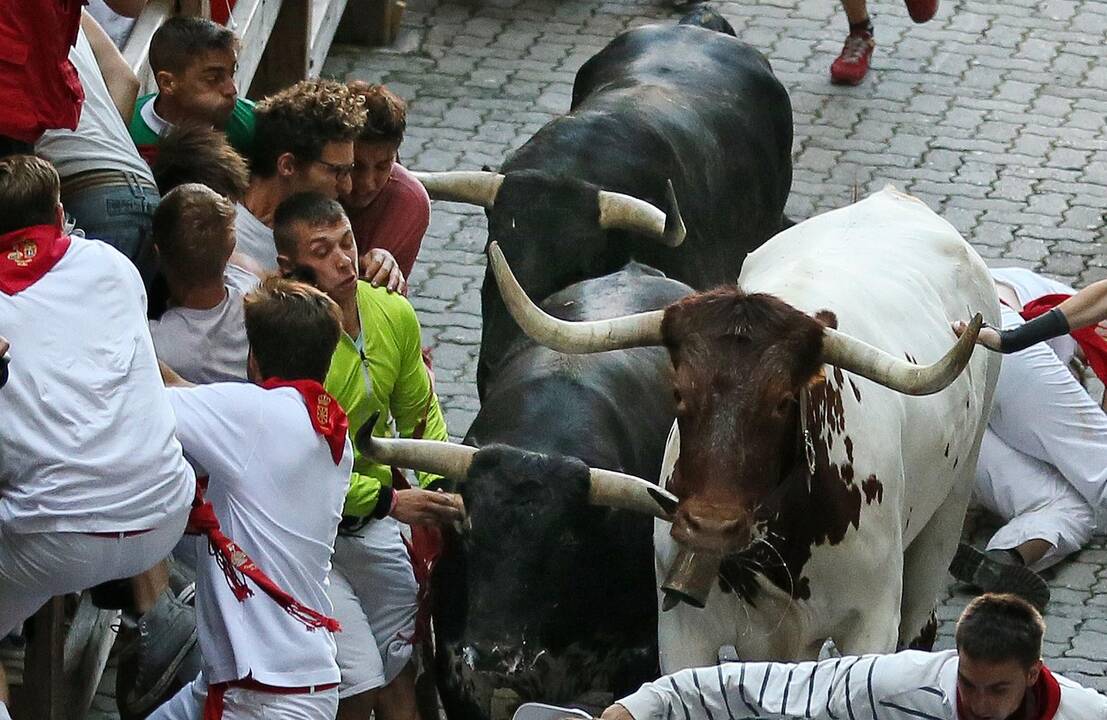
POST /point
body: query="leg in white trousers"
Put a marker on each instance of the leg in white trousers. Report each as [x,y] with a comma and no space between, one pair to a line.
[1043,462]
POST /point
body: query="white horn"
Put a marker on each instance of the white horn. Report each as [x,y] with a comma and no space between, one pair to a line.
[640,329]
[474,187]
[430,456]
[863,359]
[625,212]
[627,492]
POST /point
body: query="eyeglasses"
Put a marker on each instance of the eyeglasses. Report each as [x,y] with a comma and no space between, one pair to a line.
[340,171]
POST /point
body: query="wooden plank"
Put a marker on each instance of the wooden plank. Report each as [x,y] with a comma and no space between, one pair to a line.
[253,21]
[44,691]
[137,49]
[325,16]
[370,22]
[87,646]
[285,58]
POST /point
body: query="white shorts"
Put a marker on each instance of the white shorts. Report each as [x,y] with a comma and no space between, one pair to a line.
[240,704]
[35,567]
[373,590]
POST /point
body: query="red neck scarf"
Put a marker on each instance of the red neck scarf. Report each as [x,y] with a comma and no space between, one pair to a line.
[1047,698]
[327,416]
[1094,347]
[27,254]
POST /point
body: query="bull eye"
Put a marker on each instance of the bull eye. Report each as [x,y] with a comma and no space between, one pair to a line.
[785,404]
[678,399]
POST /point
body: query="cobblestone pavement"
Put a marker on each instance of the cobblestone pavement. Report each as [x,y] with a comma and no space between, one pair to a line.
[993,113]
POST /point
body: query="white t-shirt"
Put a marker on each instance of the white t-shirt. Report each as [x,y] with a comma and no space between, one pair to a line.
[278,495]
[206,346]
[101,140]
[86,436]
[254,239]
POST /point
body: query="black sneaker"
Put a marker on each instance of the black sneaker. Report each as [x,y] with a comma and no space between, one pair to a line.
[999,571]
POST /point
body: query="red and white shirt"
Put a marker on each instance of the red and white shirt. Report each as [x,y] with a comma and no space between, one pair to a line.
[278,493]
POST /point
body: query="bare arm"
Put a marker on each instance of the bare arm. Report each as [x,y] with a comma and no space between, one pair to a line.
[1087,307]
[126,8]
[170,377]
[120,80]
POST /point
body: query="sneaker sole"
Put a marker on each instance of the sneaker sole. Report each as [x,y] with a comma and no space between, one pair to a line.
[973,567]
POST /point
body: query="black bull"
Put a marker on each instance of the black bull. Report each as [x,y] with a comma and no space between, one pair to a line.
[660,103]
[545,597]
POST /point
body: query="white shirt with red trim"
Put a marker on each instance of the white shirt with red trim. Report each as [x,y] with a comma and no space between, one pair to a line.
[910,685]
[86,432]
[278,495]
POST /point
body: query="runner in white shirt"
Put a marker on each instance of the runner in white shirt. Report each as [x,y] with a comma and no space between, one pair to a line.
[279,463]
[93,486]
[202,336]
[995,674]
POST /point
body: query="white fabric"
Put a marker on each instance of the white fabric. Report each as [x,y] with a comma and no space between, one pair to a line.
[359,658]
[101,140]
[35,567]
[1035,499]
[206,346]
[1029,285]
[278,495]
[150,116]
[1043,462]
[375,565]
[239,704]
[86,442]
[254,239]
[910,685]
[118,27]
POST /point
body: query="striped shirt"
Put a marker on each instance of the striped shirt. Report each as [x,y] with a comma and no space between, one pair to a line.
[910,685]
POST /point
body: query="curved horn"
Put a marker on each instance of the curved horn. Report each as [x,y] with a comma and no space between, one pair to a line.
[627,492]
[625,212]
[640,329]
[474,187]
[430,456]
[858,357]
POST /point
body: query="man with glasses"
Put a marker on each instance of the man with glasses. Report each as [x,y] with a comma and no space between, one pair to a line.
[304,141]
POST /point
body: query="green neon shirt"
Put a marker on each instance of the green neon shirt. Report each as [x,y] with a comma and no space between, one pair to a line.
[401,388]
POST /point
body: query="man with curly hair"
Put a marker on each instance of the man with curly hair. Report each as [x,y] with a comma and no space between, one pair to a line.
[303,142]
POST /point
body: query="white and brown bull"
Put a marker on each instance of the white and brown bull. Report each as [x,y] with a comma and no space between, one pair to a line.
[822,473]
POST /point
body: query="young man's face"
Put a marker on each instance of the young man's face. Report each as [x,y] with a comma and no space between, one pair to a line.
[993,690]
[329,175]
[326,255]
[372,168]
[206,90]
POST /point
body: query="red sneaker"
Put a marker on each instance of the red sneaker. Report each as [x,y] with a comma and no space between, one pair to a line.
[853,63]
[921,10]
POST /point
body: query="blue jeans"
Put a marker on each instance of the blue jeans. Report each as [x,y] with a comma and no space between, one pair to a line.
[121,216]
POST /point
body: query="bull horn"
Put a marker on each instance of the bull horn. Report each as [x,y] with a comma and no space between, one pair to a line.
[863,359]
[430,456]
[606,487]
[627,492]
[640,329]
[625,212]
[473,187]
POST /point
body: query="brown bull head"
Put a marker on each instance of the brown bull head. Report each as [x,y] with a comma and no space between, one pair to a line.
[742,363]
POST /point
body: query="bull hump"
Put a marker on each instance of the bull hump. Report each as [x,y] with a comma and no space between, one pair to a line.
[814,511]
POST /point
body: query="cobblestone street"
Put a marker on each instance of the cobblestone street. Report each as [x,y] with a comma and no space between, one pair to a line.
[993,113]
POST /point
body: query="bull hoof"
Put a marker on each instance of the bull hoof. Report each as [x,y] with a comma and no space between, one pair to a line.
[999,572]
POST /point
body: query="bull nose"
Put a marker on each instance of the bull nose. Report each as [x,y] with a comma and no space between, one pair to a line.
[715,532]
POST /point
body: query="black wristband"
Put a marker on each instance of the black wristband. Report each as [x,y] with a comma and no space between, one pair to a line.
[1044,327]
[384,502]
